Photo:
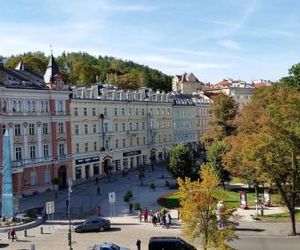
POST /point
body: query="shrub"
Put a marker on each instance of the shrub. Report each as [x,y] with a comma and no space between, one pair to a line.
[137,206]
[127,196]
[167,184]
[152,186]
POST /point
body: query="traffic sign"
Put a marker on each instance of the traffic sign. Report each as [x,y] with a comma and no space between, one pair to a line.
[50,207]
[112,197]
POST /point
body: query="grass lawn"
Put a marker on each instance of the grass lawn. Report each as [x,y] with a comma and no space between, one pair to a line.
[282,217]
[231,199]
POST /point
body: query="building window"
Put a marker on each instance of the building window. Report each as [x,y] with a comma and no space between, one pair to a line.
[60,128]
[32,152]
[116,127]
[76,129]
[124,143]
[106,127]
[86,147]
[85,111]
[45,128]
[18,153]
[77,148]
[95,146]
[61,148]
[33,178]
[144,140]
[130,126]
[75,111]
[117,143]
[46,151]
[78,173]
[17,129]
[137,111]
[31,129]
[86,129]
[123,111]
[116,111]
[137,126]
[123,127]
[47,176]
[105,111]
[94,111]
[143,112]
[60,106]
[94,128]
[138,141]
[130,142]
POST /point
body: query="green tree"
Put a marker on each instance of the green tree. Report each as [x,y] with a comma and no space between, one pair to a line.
[215,153]
[293,80]
[181,162]
[267,144]
[198,211]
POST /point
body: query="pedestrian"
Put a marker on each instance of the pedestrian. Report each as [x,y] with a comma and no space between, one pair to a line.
[167,218]
[154,220]
[145,215]
[138,244]
[13,235]
[140,214]
[98,210]
[98,190]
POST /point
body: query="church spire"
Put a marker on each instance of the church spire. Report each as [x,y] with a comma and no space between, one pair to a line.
[52,76]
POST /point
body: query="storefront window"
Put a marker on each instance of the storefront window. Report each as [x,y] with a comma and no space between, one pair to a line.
[96,168]
[125,163]
[78,173]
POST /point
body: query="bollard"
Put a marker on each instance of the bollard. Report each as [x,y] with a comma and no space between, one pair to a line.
[25,233]
[42,230]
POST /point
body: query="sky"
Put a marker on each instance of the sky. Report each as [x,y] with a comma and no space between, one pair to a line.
[214,39]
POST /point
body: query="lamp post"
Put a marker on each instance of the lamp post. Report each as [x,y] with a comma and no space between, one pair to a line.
[69,213]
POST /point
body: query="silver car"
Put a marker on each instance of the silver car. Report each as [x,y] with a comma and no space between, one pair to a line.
[107,246]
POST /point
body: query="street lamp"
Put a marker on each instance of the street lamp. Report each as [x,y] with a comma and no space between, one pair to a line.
[69,213]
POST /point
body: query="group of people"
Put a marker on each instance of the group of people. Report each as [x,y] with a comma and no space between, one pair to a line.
[162,218]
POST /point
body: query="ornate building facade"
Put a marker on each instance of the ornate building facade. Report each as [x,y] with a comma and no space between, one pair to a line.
[36,113]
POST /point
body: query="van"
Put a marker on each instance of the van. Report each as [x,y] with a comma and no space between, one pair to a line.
[169,243]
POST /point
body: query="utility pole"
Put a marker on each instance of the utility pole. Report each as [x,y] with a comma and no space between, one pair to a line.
[69,213]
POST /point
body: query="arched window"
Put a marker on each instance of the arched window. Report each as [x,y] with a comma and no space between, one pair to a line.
[19,108]
[14,108]
[42,106]
[29,106]
[46,106]
[33,106]
[4,106]
[60,106]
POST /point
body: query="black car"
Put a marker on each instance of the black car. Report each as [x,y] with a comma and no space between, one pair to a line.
[93,224]
[168,243]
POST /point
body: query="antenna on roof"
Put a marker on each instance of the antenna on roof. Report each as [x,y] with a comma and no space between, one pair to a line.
[51,49]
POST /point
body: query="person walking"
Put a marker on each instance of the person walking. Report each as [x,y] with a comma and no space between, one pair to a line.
[138,244]
[13,235]
[98,210]
[98,190]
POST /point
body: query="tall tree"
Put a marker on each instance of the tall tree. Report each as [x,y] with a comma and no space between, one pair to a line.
[293,80]
[198,211]
[215,153]
[268,143]
[181,162]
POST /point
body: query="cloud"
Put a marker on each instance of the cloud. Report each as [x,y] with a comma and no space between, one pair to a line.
[229,44]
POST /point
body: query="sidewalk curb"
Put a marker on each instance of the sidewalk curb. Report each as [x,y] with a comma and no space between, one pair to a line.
[25,226]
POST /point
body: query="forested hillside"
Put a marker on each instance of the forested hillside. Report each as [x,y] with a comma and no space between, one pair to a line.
[80,68]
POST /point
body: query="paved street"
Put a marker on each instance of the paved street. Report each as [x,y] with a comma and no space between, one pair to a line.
[125,227]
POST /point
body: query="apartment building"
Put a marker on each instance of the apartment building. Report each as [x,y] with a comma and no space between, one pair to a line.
[35,110]
[115,130]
